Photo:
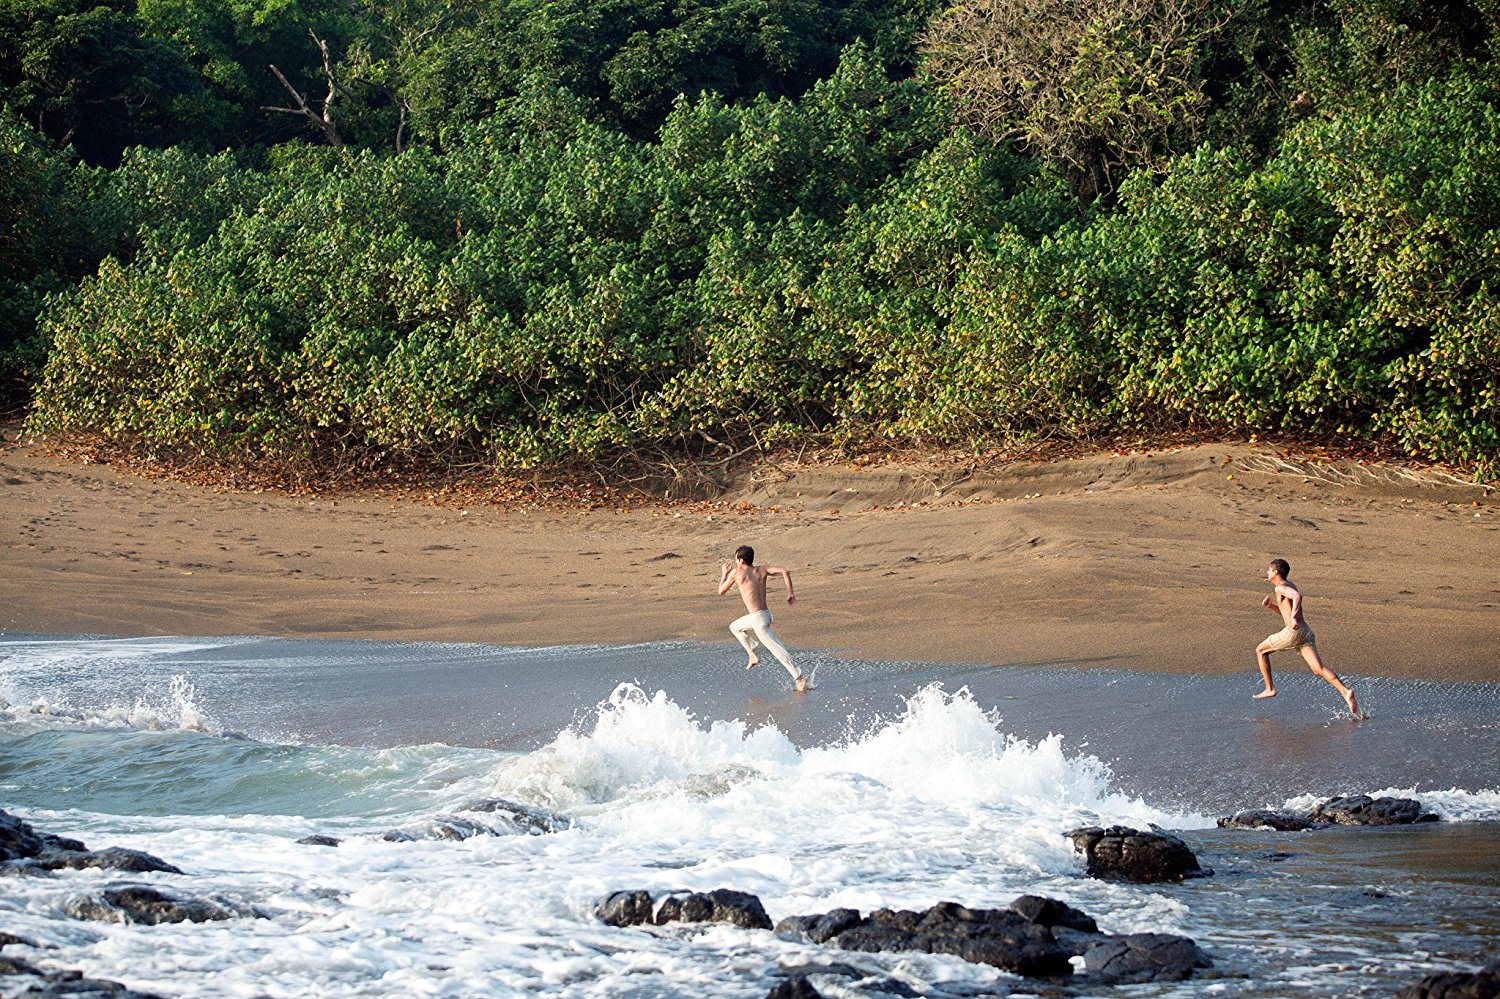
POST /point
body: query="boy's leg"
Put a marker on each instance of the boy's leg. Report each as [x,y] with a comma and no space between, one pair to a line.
[743,629]
[1315,663]
[770,641]
[1263,657]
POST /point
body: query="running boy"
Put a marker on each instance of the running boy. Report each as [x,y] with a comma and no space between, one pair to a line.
[1287,601]
[755,627]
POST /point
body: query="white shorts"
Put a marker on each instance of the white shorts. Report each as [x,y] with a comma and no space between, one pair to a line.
[755,629]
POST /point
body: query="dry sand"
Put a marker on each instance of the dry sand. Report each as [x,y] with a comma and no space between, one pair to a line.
[1149,561]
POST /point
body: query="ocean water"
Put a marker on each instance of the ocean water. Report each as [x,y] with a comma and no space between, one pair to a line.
[890,784]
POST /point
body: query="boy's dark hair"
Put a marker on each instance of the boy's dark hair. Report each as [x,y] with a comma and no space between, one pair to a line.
[1282,568]
[745,554]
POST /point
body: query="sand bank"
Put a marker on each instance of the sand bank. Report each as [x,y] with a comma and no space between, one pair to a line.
[1149,561]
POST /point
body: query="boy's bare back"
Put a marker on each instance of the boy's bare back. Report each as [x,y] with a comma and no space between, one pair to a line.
[751,580]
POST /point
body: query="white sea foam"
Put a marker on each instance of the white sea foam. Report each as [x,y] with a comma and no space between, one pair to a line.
[33,673]
[156,707]
[46,655]
[938,802]
[1452,805]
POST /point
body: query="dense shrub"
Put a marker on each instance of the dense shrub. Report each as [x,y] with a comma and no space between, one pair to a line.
[547,284]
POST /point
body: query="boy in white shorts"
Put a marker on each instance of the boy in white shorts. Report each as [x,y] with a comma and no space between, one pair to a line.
[1287,601]
[755,627]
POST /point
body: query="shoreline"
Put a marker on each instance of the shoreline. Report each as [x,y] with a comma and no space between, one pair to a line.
[1151,561]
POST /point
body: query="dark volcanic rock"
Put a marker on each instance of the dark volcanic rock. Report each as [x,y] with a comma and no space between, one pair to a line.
[997,937]
[318,841]
[18,841]
[522,818]
[510,819]
[26,850]
[1050,912]
[110,858]
[1362,810]
[817,929]
[722,905]
[145,905]
[41,983]
[1120,853]
[796,987]
[1144,957]
[17,966]
[73,985]
[450,827]
[1035,936]
[1265,818]
[626,908]
[1481,984]
[6,939]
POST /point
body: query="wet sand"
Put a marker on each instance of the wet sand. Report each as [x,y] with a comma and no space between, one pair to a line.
[1151,561]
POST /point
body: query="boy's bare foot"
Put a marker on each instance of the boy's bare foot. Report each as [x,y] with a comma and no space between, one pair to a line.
[801,684]
[754,662]
[1263,694]
[1349,700]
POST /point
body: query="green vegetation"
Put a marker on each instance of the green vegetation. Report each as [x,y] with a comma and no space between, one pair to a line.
[512,232]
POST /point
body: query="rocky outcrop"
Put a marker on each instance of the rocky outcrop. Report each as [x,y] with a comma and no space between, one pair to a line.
[43,984]
[449,827]
[1362,810]
[20,977]
[1265,818]
[111,858]
[1144,957]
[997,937]
[1481,984]
[502,818]
[818,929]
[318,841]
[1034,936]
[1051,913]
[1349,810]
[144,905]
[817,981]
[24,850]
[1120,853]
[796,987]
[18,841]
[722,905]
[529,819]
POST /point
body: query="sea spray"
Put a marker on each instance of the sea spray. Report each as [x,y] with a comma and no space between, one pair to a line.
[935,795]
[1452,805]
[636,742]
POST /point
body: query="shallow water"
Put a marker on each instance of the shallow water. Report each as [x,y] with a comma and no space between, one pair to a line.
[891,784]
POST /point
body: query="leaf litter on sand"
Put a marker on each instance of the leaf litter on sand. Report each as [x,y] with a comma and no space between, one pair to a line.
[635,483]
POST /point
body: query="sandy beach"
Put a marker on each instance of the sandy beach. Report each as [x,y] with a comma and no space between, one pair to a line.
[1151,560]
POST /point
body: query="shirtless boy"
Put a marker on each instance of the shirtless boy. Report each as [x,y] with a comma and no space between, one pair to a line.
[1287,601]
[755,627]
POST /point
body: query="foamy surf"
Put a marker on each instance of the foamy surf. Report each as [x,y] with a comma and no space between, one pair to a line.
[157,708]
[901,791]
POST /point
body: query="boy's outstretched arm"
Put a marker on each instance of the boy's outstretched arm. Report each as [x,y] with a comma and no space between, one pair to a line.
[776,570]
[726,578]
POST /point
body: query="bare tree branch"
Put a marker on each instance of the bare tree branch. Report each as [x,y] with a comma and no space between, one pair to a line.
[323,121]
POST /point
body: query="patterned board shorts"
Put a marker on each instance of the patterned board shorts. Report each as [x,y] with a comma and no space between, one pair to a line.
[1288,639]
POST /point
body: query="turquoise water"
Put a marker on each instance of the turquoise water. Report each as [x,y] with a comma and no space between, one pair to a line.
[891,784]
